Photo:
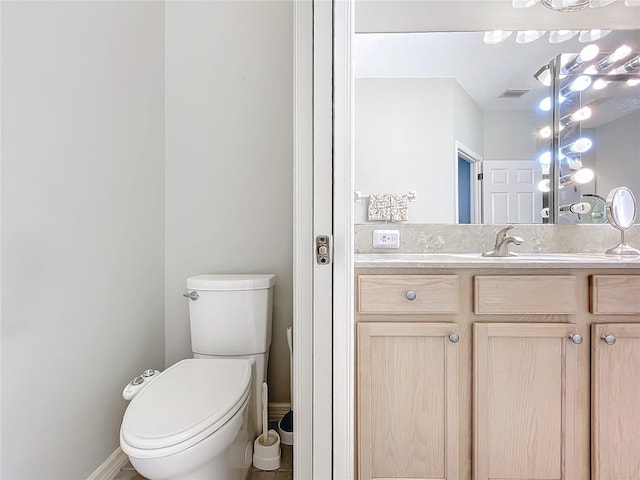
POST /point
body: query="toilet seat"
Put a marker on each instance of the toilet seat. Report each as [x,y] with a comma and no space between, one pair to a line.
[188,402]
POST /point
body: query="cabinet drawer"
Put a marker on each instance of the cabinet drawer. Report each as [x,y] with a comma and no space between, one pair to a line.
[390,294]
[520,294]
[615,294]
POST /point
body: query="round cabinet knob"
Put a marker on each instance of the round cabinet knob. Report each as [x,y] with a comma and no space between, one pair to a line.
[411,295]
[454,337]
[575,338]
[608,339]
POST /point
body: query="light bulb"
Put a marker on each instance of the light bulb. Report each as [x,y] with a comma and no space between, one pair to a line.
[584,175]
[587,54]
[496,36]
[583,114]
[544,185]
[581,145]
[621,52]
[593,35]
[528,36]
[545,132]
[600,84]
[545,103]
[591,70]
[578,85]
[562,35]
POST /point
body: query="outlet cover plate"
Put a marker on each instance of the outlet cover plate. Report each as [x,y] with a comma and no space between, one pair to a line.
[386,239]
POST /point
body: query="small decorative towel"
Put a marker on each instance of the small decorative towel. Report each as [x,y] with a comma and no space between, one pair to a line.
[379,207]
[399,207]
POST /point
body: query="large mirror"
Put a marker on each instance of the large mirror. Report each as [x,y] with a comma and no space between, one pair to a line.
[435,110]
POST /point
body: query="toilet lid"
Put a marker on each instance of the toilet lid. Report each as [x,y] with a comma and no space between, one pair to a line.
[187,398]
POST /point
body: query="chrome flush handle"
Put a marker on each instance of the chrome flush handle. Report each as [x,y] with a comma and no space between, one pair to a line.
[191,295]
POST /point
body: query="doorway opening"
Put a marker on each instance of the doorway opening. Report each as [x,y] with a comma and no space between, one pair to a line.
[468,185]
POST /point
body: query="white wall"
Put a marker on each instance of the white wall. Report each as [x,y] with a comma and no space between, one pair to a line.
[468,121]
[510,135]
[404,141]
[229,74]
[617,159]
[82,226]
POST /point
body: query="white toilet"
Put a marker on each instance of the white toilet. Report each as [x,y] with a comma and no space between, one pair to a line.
[198,419]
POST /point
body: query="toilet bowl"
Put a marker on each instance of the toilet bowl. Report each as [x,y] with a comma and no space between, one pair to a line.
[198,418]
[192,422]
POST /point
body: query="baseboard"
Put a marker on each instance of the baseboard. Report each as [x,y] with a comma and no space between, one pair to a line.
[118,459]
[111,466]
[277,410]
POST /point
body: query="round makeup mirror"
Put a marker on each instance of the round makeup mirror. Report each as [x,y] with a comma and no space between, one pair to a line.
[621,213]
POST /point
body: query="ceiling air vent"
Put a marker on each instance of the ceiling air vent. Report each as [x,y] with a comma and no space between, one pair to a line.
[513,93]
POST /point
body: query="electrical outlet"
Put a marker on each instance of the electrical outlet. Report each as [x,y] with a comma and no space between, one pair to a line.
[386,239]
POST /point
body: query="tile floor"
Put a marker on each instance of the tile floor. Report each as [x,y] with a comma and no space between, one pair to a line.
[285,472]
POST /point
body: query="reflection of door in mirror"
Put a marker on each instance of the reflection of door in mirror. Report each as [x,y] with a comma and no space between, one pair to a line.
[510,192]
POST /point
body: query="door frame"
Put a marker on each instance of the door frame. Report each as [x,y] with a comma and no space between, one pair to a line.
[475,159]
[323,396]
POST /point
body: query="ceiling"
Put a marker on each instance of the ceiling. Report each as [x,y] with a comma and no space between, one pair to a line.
[484,71]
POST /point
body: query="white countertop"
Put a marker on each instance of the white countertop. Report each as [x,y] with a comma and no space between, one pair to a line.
[476,260]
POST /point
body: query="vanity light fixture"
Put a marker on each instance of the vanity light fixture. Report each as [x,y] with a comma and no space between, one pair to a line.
[632,64]
[528,36]
[600,3]
[587,54]
[566,5]
[496,36]
[544,185]
[620,53]
[584,175]
[543,76]
[600,84]
[578,85]
[587,36]
[559,36]
[545,103]
[545,132]
[579,115]
[581,145]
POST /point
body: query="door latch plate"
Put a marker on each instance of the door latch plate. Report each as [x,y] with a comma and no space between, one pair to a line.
[323,249]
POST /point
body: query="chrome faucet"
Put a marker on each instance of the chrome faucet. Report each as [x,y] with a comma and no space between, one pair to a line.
[503,241]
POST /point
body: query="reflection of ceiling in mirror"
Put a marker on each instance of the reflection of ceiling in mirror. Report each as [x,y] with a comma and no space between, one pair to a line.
[484,71]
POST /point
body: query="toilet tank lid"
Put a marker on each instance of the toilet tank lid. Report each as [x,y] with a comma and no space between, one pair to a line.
[232,281]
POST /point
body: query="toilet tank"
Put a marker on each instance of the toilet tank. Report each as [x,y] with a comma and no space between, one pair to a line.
[232,313]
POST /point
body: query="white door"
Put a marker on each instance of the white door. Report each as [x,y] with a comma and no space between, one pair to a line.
[510,192]
[313,217]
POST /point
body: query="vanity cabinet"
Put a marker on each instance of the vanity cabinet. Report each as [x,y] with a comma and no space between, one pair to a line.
[483,374]
[524,401]
[615,383]
[407,400]
[408,383]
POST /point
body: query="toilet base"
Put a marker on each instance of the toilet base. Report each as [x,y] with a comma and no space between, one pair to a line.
[197,462]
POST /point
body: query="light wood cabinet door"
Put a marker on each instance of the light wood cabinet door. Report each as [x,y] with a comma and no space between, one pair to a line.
[524,401]
[615,401]
[407,401]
